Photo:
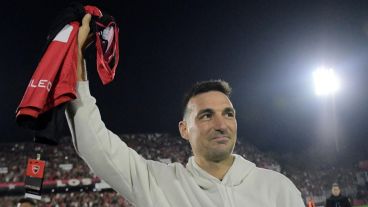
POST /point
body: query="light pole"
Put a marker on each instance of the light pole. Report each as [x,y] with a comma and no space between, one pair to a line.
[326,84]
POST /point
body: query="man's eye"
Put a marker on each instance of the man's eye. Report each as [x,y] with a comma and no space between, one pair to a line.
[206,116]
[230,114]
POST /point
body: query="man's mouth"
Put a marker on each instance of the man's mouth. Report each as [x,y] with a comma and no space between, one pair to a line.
[221,139]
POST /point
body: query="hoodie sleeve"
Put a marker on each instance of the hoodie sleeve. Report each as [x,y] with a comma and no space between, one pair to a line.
[105,153]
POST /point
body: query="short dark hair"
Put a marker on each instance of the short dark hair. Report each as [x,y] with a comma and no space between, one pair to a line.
[203,87]
[27,200]
[335,184]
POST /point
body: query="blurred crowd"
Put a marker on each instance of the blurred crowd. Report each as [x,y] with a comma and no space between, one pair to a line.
[13,157]
[75,199]
[62,162]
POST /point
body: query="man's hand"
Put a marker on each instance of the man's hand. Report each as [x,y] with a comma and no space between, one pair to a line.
[82,42]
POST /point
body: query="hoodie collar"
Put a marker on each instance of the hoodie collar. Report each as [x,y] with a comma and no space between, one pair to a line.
[233,177]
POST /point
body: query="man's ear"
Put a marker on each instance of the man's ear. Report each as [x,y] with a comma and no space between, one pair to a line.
[183,129]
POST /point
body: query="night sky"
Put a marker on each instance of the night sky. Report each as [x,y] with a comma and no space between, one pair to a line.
[266,50]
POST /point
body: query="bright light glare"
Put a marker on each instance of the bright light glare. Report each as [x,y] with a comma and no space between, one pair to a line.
[325,82]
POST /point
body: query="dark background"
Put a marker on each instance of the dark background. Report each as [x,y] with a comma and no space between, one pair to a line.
[266,50]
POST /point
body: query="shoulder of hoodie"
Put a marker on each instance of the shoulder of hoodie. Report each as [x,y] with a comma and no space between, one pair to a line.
[274,177]
[265,175]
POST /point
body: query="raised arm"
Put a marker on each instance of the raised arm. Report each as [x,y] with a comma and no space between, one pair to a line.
[105,153]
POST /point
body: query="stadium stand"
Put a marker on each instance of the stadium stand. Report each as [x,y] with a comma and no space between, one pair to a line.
[69,182]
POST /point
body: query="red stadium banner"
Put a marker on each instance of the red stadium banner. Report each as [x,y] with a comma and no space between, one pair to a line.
[48,185]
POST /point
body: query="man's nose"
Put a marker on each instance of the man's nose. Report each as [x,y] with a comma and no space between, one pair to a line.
[219,123]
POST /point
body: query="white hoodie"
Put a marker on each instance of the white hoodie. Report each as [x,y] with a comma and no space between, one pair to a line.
[149,183]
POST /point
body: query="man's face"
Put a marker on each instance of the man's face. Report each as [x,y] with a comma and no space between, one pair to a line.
[210,126]
[335,190]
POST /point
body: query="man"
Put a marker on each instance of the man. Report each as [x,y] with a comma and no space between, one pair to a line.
[212,177]
[336,199]
[26,202]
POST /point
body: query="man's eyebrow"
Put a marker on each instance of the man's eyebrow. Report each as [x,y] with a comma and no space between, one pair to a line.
[229,109]
[203,111]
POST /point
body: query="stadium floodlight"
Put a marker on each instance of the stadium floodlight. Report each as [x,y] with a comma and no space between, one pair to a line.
[325,81]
